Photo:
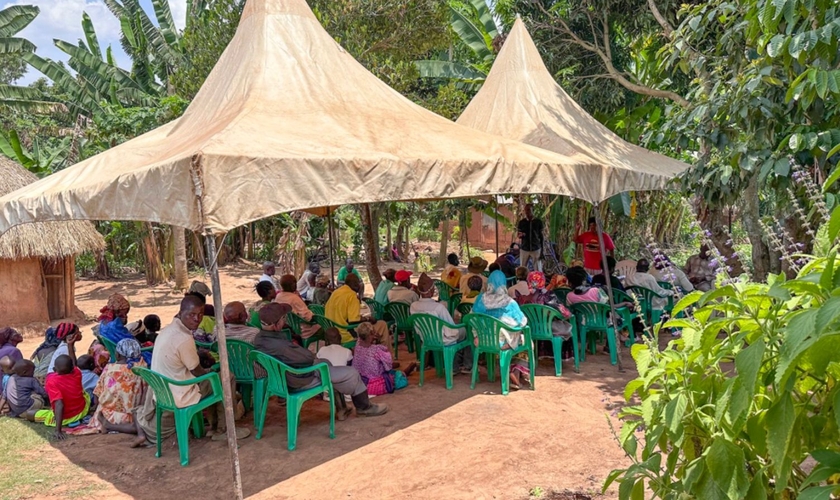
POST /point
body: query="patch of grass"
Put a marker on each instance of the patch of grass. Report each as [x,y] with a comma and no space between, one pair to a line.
[30,467]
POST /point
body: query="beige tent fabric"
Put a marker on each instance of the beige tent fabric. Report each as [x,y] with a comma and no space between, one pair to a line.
[288,120]
[520,100]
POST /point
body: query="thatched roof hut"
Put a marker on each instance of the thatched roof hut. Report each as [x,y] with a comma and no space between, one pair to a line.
[37,261]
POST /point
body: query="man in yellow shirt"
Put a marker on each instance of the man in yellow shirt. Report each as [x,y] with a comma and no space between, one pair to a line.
[344,308]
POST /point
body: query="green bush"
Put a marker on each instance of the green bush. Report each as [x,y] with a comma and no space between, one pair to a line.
[733,407]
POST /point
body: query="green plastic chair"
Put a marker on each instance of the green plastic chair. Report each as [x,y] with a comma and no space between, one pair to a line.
[430,329]
[294,321]
[242,368]
[511,281]
[667,285]
[444,291]
[540,318]
[592,320]
[464,308]
[402,323]
[112,348]
[184,417]
[561,294]
[647,295]
[274,384]
[377,310]
[627,316]
[327,323]
[487,330]
[317,309]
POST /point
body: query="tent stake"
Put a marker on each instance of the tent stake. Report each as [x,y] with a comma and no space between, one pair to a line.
[600,227]
[332,264]
[213,270]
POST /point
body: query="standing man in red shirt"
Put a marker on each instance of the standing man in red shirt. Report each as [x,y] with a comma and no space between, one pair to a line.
[592,250]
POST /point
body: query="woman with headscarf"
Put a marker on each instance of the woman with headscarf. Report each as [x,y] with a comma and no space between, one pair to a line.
[559,327]
[113,319]
[121,393]
[43,354]
[67,334]
[9,339]
[375,365]
[497,303]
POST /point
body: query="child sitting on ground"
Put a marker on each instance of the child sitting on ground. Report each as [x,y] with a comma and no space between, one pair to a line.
[333,351]
[69,403]
[89,378]
[7,365]
[23,391]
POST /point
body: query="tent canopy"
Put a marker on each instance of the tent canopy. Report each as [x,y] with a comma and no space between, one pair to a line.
[520,100]
[288,120]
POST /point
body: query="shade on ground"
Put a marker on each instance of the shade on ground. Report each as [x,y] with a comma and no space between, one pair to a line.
[520,100]
[288,120]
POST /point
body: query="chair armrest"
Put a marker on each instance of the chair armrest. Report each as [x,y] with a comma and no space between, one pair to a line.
[181,383]
[304,371]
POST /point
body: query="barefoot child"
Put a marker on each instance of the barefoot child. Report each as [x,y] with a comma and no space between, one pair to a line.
[23,391]
[68,400]
[121,393]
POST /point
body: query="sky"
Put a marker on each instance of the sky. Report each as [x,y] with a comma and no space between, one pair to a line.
[62,19]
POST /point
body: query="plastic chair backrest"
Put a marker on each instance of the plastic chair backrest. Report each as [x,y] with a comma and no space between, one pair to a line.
[294,321]
[376,309]
[620,296]
[646,293]
[666,285]
[540,318]
[401,313]
[488,330]
[160,385]
[324,322]
[592,314]
[110,346]
[275,372]
[464,308]
[317,309]
[561,294]
[626,268]
[444,291]
[511,281]
[430,328]
[238,351]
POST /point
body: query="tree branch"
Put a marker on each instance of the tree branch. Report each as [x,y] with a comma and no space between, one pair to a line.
[666,26]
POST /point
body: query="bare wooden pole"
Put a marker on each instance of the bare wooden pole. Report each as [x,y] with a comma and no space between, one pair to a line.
[332,262]
[600,227]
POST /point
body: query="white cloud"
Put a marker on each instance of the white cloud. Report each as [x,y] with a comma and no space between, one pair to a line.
[179,12]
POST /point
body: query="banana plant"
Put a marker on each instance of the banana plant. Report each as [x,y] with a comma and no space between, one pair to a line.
[12,20]
[39,160]
[474,24]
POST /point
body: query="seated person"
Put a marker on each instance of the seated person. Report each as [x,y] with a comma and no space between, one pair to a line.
[348,269]
[665,270]
[7,366]
[206,330]
[120,394]
[89,377]
[322,291]
[375,365]
[476,267]
[267,293]
[68,334]
[505,264]
[288,295]
[581,291]
[344,308]
[452,273]
[474,286]
[699,270]
[268,273]
[558,280]
[306,284]
[43,354]
[333,351]
[521,285]
[151,327]
[23,392]
[69,403]
[385,286]
[427,305]
[236,323]
[345,379]
[600,281]
[644,279]
[9,340]
[403,291]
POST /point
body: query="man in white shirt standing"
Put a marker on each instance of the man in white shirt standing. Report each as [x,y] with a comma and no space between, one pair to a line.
[402,291]
[268,273]
[427,305]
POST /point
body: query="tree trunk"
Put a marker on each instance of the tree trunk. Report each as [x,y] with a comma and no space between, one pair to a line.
[154,267]
[179,241]
[102,271]
[711,220]
[402,241]
[444,242]
[371,245]
[388,240]
[750,219]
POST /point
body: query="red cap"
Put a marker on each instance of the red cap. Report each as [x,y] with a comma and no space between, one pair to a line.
[403,276]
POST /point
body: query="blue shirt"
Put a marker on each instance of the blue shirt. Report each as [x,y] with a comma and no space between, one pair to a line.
[115,331]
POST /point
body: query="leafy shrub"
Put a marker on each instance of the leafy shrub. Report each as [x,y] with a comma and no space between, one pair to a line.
[733,407]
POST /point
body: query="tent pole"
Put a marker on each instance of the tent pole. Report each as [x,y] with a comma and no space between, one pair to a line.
[332,263]
[213,270]
[600,227]
[497,225]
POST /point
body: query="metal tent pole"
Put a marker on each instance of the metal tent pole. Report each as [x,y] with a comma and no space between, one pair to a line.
[600,227]
[213,270]
[332,263]
[496,198]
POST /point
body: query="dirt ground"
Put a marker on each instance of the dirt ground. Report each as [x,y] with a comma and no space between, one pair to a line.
[433,443]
